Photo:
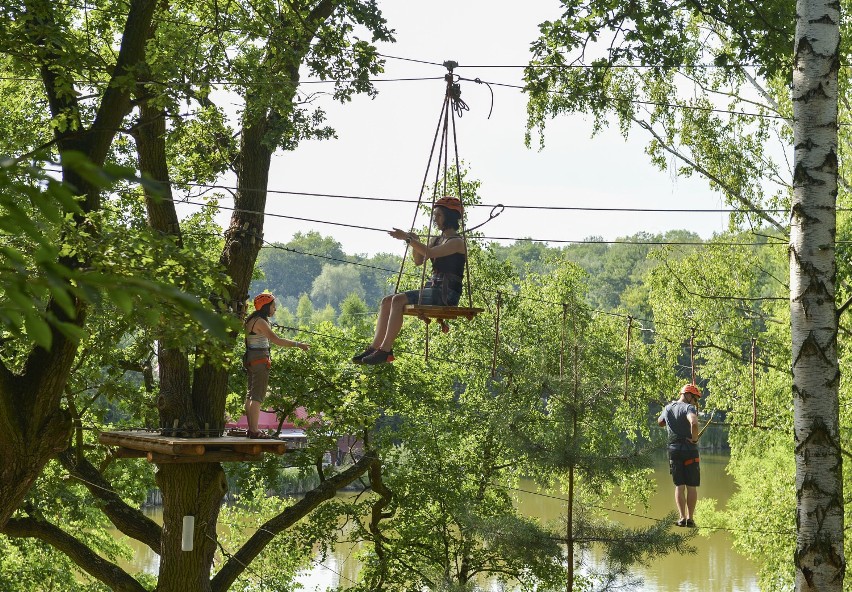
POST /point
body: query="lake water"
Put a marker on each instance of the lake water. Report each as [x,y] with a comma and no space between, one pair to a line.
[715,567]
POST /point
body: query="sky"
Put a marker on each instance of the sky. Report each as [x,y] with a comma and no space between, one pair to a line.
[383,145]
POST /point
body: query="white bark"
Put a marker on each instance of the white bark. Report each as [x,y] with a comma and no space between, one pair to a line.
[820,561]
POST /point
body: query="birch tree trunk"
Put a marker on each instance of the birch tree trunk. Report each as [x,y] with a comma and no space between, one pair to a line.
[819,559]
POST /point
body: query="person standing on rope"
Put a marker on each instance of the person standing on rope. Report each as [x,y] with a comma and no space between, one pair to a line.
[680,418]
[257,362]
[448,255]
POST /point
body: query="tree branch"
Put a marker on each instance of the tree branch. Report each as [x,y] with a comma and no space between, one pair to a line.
[116,100]
[378,513]
[735,195]
[237,564]
[111,575]
[128,520]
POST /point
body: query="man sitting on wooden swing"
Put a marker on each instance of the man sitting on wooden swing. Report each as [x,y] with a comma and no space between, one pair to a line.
[448,255]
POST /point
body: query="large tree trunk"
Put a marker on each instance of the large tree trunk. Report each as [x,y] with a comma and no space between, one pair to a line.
[199,404]
[189,490]
[33,427]
[194,489]
[243,240]
[820,561]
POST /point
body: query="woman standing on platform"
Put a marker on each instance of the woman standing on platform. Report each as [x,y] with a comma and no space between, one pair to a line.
[258,336]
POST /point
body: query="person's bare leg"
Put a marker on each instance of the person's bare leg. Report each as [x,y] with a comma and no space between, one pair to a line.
[382,322]
[394,321]
[252,414]
[681,500]
[691,499]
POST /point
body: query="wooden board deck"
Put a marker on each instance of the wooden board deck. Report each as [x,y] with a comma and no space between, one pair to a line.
[158,448]
[428,313]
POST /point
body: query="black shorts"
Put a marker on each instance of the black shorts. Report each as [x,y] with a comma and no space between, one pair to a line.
[684,467]
[432,296]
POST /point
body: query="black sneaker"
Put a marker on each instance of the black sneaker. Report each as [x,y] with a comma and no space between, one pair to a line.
[681,522]
[379,356]
[358,359]
[690,523]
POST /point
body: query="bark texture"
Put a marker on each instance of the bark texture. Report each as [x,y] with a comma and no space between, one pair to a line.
[820,561]
[33,427]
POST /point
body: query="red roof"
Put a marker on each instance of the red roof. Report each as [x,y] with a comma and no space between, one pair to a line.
[268,420]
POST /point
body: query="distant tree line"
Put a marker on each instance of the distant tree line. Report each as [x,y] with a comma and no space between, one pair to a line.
[314,279]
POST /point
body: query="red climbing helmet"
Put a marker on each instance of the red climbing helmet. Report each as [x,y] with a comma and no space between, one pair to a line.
[451,203]
[262,300]
[691,389]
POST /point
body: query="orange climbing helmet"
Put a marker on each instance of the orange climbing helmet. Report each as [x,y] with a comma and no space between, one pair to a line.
[451,203]
[262,300]
[691,389]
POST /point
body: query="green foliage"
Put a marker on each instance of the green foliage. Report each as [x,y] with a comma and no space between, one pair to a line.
[56,255]
[353,314]
[291,268]
[305,310]
[334,284]
[734,294]
[678,73]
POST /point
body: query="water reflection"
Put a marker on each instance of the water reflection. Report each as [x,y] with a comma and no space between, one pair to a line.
[715,567]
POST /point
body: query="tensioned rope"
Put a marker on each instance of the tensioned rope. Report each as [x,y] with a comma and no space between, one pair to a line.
[232,188]
[540,494]
[505,238]
[538,299]
[630,318]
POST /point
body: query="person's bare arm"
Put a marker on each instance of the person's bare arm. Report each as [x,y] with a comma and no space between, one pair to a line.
[263,328]
[693,422]
[420,252]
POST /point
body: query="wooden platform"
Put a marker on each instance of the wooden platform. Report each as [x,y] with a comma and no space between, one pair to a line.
[168,449]
[427,313]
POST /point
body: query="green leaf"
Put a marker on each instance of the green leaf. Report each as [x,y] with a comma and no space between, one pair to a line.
[71,330]
[38,330]
[123,300]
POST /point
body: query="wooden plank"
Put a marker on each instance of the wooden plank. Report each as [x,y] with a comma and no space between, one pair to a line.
[122,452]
[426,312]
[257,446]
[153,443]
[215,456]
[136,444]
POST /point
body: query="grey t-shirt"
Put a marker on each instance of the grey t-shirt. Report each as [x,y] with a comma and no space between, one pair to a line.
[677,424]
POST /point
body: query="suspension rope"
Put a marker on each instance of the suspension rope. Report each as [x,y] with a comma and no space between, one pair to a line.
[496,334]
[692,353]
[753,389]
[627,356]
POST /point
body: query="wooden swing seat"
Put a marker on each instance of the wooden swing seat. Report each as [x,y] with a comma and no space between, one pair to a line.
[441,313]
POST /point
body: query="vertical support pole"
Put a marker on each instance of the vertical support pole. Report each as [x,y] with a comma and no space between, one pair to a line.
[753,389]
[569,527]
[692,354]
[627,356]
[427,339]
[496,334]
[562,341]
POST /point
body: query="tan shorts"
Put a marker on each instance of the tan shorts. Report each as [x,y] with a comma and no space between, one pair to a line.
[258,374]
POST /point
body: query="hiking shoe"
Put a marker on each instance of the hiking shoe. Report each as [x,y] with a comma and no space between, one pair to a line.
[358,359]
[681,522]
[379,356]
[690,523]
